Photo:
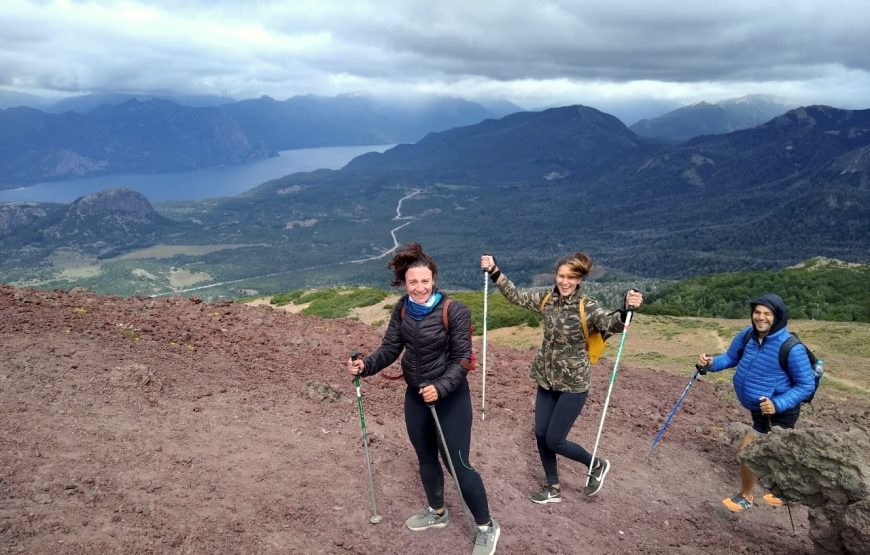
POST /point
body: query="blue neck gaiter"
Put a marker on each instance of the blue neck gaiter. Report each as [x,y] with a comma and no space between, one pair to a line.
[418,311]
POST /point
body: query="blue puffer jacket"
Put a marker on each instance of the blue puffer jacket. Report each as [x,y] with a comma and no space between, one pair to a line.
[758,371]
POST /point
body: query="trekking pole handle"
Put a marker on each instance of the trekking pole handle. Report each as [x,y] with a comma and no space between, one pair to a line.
[702,368]
[423,385]
[354,356]
[488,270]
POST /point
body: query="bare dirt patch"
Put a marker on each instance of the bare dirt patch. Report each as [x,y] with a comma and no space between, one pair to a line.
[221,428]
[182,277]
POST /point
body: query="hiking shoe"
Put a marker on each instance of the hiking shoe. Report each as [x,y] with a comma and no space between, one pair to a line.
[596,478]
[427,518]
[547,494]
[738,503]
[486,539]
[772,500]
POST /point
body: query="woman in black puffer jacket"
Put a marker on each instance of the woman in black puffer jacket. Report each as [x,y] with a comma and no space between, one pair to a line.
[435,335]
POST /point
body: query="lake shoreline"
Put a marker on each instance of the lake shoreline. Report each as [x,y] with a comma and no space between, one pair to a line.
[217,181]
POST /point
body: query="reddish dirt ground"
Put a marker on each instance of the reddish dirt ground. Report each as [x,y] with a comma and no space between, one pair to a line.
[175,426]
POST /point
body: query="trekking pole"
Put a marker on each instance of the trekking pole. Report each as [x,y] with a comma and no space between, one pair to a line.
[483,376]
[628,315]
[356,382]
[449,460]
[794,533]
[698,370]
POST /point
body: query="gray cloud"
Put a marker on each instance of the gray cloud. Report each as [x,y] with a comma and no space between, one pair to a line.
[535,53]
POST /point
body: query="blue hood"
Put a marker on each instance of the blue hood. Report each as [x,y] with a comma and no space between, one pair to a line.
[775,303]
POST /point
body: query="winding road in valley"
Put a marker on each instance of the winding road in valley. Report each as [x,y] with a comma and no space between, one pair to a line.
[397,217]
[393,231]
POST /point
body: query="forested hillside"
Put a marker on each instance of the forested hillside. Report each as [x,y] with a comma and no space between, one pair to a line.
[818,290]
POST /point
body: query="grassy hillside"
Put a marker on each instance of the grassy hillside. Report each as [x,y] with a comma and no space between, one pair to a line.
[660,342]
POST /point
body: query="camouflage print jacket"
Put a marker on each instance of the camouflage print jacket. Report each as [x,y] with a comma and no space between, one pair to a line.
[562,363]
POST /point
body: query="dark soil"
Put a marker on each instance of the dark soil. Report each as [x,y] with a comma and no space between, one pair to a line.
[175,426]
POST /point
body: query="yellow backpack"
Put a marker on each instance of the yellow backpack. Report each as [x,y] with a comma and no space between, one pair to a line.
[595,342]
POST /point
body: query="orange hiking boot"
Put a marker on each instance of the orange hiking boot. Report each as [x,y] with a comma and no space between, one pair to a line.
[772,500]
[738,502]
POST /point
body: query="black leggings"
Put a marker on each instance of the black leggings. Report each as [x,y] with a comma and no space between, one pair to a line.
[455,415]
[555,413]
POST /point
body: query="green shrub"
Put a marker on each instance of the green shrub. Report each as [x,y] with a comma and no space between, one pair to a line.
[337,303]
[285,298]
[500,313]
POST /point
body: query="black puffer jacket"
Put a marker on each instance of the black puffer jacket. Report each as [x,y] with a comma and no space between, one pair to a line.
[433,355]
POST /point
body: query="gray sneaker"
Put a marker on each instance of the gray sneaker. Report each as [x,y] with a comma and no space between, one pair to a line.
[486,539]
[427,518]
[596,479]
[547,494]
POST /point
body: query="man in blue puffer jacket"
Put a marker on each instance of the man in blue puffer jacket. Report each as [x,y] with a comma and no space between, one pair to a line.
[771,394]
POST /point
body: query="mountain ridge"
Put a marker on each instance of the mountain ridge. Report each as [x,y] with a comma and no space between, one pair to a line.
[577,134]
[706,118]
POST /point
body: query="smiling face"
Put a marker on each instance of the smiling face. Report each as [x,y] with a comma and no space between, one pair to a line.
[419,282]
[762,319]
[566,280]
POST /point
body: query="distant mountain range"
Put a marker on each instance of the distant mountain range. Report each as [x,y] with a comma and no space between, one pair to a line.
[85,103]
[314,121]
[106,134]
[527,187]
[133,137]
[128,135]
[712,119]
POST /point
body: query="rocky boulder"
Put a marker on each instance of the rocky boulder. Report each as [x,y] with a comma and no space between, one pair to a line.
[828,472]
[114,217]
[118,204]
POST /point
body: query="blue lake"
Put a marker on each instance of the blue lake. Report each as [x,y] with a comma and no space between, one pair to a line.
[223,181]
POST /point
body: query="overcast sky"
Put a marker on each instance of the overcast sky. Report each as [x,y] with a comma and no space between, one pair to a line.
[535,53]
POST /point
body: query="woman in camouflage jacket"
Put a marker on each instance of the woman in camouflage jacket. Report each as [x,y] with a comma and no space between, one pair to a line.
[561,367]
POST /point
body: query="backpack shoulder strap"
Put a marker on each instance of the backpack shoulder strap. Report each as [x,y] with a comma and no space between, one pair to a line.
[582,308]
[546,299]
[786,348]
[444,313]
[743,342]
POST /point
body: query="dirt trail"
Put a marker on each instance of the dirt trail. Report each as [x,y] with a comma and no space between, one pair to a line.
[174,426]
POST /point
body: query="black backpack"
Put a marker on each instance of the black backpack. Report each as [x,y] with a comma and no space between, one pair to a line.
[784,349]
